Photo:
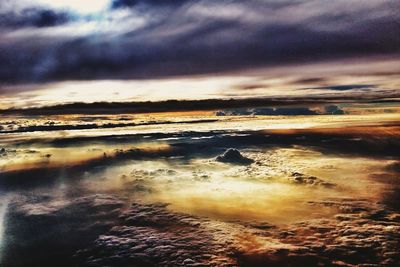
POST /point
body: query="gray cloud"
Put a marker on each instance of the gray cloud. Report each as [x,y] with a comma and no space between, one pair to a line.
[243,106]
[347,87]
[35,17]
[285,111]
[191,37]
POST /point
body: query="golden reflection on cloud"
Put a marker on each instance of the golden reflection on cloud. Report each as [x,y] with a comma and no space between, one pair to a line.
[145,90]
[263,192]
[244,200]
[301,81]
[267,190]
[237,123]
[284,193]
[53,157]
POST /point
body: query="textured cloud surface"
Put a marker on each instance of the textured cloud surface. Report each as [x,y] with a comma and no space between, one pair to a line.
[168,194]
[147,39]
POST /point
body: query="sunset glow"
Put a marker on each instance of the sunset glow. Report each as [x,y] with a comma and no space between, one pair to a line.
[240,133]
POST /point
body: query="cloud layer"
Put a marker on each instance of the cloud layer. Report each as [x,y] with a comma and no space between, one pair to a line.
[148,39]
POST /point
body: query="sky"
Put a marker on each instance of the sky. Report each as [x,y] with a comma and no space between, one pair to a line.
[199,132]
[54,52]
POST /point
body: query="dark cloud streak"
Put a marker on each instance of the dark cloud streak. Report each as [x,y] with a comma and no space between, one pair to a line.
[346,87]
[192,105]
[115,4]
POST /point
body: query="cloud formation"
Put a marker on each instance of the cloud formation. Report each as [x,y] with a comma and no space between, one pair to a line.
[347,87]
[34,17]
[245,106]
[358,234]
[149,39]
[285,111]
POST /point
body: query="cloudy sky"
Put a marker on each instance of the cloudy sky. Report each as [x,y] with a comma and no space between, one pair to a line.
[58,51]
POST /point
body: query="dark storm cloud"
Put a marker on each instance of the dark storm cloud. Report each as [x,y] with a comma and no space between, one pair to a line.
[195,37]
[34,17]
